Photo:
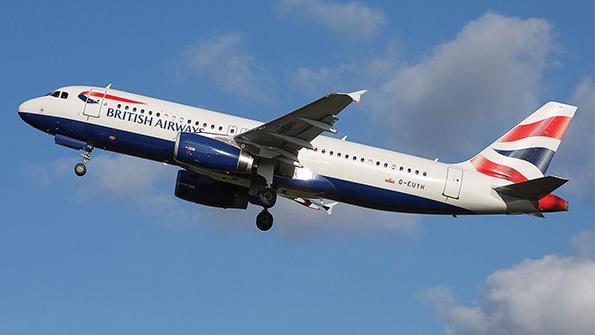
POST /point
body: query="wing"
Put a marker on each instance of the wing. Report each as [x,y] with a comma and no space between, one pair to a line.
[285,136]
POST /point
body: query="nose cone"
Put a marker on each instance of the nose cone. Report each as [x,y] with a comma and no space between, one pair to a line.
[25,111]
[21,109]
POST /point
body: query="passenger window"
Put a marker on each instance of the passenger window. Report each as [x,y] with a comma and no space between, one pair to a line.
[189,121]
[134,109]
[142,111]
[338,154]
[196,123]
[204,125]
[425,174]
[416,171]
[363,160]
[377,163]
[64,95]
[212,126]
[401,168]
[150,112]
[331,152]
[354,158]
[408,170]
[220,128]
[323,151]
[158,114]
[232,130]
[119,106]
[126,108]
[385,165]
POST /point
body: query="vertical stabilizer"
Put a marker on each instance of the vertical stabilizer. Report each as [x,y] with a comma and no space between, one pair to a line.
[525,152]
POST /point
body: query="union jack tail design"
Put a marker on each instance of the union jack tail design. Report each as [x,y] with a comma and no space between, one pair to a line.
[525,152]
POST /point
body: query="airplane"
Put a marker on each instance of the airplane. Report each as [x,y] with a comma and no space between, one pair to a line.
[228,161]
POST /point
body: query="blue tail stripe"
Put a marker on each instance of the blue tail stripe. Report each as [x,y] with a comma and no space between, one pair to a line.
[540,157]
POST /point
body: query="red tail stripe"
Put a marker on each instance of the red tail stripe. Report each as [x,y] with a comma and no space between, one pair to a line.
[553,127]
[489,168]
[112,97]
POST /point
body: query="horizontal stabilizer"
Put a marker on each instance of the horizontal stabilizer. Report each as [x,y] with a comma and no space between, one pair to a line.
[533,189]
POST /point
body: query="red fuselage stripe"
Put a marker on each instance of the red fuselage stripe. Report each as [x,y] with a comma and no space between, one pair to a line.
[112,97]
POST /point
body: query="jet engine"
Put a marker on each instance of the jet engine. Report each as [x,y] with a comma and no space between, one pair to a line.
[203,190]
[205,152]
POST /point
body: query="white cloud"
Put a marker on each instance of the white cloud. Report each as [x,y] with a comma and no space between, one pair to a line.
[553,295]
[222,61]
[488,76]
[148,185]
[111,178]
[481,83]
[352,20]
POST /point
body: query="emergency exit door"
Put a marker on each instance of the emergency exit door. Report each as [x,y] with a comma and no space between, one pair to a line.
[94,102]
[454,180]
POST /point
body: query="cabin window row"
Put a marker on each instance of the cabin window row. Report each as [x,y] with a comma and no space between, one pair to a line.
[370,161]
[232,130]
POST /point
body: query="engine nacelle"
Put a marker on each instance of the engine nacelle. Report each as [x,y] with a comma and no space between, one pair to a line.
[202,151]
[206,191]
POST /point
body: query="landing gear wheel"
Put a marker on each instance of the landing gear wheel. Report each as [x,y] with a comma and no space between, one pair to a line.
[267,197]
[264,220]
[80,169]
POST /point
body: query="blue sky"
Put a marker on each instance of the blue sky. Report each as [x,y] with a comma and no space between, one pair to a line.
[114,252]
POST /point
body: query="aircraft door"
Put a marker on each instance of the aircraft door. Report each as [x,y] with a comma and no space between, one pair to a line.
[454,180]
[94,102]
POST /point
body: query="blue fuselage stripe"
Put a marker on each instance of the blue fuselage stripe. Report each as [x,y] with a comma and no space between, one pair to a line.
[161,150]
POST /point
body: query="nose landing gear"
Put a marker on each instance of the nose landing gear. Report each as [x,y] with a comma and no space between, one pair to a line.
[80,168]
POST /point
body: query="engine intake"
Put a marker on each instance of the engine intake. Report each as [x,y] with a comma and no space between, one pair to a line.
[203,190]
[202,151]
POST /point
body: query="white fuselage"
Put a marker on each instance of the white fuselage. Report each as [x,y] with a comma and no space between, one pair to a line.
[341,160]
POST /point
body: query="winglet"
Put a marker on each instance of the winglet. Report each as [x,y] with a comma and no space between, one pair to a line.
[356,96]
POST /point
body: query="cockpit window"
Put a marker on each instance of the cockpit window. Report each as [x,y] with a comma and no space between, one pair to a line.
[64,95]
[55,94]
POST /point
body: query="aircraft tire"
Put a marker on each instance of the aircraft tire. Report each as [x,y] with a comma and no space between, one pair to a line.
[80,169]
[267,197]
[264,220]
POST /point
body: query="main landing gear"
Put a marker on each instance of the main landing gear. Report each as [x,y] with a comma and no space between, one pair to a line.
[80,168]
[267,198]
[264,220]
